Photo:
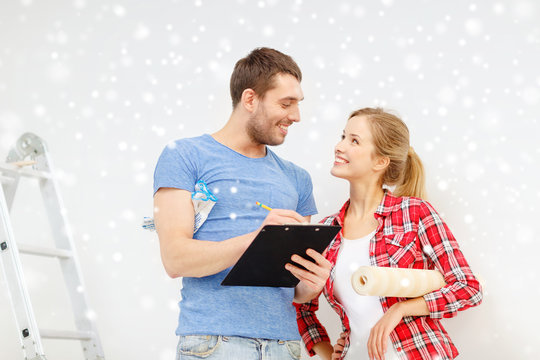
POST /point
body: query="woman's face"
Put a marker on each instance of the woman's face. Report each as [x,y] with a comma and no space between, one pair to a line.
[355,154]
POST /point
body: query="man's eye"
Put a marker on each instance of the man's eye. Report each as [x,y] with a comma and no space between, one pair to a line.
[285,105]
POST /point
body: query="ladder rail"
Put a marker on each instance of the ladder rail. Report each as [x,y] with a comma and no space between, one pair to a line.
[64,240]
[9,183]
[19,296]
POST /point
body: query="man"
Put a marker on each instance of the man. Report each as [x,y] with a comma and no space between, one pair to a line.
[231,322]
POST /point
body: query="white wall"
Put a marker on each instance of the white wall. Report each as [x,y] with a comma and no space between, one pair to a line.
[108,84]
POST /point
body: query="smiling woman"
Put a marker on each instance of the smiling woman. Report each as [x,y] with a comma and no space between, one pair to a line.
[387,230]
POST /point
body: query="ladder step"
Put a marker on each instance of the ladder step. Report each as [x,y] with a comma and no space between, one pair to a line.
[6,180]
[8,168]
[67,335]
[43,251]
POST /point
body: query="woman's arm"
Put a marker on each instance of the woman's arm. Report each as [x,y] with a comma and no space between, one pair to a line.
[324,349]
[462,289]
[313,279]
[310,328]
[378,337]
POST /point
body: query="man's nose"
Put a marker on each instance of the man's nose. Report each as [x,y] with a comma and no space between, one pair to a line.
[294,114]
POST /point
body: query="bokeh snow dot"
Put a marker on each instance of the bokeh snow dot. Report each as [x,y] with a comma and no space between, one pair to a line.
[413,62]
[473,27]
[442,185]
[428,249]
[117,257]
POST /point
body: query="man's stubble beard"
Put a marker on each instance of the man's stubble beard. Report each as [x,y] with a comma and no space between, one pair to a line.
[259,131]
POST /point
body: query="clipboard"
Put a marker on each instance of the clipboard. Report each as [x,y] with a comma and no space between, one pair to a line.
[263,262]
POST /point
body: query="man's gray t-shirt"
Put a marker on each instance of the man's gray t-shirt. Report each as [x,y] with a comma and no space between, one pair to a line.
[206,307]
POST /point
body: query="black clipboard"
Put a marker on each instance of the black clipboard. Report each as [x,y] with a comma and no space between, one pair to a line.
[263,262]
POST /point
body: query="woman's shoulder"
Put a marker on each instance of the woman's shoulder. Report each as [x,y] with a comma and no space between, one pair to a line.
[409,204]
[329,220]
[396,200]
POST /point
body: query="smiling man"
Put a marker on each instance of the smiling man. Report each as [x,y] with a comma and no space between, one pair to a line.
[230,322]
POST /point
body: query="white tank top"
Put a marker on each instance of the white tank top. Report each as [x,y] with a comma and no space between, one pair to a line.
[363,311]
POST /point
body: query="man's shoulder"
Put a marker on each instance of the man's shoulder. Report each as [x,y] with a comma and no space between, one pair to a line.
[188,141]
[187,144]
[289,165]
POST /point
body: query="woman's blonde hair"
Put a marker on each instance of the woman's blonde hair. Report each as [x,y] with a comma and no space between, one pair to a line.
[391,140]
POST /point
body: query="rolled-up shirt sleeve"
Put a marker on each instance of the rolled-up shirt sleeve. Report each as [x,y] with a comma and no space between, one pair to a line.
[462,289]
[310,328]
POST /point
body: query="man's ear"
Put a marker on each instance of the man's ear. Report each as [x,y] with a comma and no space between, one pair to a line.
[381,163]
[249,100]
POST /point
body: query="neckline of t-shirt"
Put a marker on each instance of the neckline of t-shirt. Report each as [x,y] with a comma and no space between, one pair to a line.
[237,153]
[363,238]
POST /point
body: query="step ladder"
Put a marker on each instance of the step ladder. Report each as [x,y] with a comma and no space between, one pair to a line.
[29,158]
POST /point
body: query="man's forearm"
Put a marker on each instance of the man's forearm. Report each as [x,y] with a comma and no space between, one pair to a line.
[198,258]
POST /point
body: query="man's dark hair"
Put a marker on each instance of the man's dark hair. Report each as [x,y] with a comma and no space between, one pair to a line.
[257,70]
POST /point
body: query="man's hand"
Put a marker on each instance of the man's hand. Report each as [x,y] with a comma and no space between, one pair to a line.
[282,216]
[313,279]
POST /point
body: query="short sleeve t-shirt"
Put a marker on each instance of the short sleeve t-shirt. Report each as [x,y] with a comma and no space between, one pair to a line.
[237,182]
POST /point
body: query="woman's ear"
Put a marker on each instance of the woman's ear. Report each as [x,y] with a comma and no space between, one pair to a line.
[249,100]
[381,163]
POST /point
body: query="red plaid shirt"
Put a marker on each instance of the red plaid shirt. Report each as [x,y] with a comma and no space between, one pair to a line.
[412,235]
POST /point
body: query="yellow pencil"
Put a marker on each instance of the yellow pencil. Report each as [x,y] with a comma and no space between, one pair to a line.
[263,206]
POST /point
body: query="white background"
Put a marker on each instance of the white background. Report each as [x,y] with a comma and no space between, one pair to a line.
[108,83]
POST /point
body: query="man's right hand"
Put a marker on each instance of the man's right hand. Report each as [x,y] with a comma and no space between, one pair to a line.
[281,217]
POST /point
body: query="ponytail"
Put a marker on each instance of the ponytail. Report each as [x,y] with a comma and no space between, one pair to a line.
[413,180]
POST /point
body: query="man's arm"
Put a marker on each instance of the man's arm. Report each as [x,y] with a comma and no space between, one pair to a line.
[180,253]
[184,256]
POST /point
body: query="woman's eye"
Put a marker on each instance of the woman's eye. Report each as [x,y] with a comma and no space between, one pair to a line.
[355,141]
[342,137]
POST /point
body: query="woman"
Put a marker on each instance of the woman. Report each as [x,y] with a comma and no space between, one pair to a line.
[398,230]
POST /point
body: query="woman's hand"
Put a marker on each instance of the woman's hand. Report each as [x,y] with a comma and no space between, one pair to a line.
[313,279]
[323,350]
[338,348]
[378,337]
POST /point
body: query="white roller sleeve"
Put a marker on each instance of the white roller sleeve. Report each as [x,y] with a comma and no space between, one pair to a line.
[395,282]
